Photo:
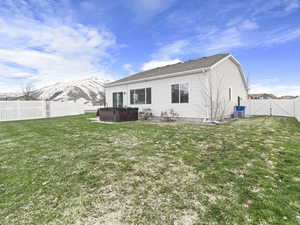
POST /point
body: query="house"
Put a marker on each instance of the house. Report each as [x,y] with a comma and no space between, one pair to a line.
[205,88]
[289,97]
[262,96]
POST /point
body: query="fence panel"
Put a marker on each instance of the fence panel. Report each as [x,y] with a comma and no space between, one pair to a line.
[257,107]
[25,110]
[21,110]
[283,107]
[58,109]
[297,108]
[30,110]
[273,107]
[8,110]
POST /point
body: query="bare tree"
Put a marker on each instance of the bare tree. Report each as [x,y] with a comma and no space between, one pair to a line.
[213,95]
[27,91]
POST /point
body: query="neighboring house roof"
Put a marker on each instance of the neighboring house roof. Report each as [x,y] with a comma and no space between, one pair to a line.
[262,96]
[270,96]
[205,62]
[288,97]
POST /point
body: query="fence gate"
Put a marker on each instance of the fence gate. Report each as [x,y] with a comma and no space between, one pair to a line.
[272,107]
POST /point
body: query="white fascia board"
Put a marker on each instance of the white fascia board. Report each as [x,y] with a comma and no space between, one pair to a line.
[241,70]
[188,72]
[220,61]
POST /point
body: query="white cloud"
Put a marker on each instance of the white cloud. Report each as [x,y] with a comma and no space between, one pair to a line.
[50,67]
[13,73]
[280,37]
[222,41]
[271,80]
[52,50]
[166,54]
[171,50]
[13,88]
[154,64]
[248,25]
[60,38]
[234,37]
[260,88]
[128,68]
[292,4]
[216,40]
[278,90]
[231,32]
[86,5]
[274,7]
[146,9]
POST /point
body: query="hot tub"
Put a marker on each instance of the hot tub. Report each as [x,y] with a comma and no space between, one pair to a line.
[118,114]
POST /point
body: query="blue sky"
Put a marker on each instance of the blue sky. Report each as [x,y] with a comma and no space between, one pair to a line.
[48,41]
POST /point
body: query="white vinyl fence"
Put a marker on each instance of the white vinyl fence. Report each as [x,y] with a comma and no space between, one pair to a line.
[26,110]
[273,107]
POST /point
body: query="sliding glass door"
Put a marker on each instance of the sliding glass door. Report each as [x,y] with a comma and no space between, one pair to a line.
[118,99]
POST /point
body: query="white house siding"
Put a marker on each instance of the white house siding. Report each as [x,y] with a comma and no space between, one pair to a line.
[223,76]
[161,95]
[227,75]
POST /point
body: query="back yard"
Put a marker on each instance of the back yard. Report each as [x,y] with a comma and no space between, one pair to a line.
[71,171]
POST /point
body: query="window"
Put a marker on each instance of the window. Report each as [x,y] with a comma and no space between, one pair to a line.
[140,96]
[175,93]
[131,97]
[230,94]
[118,99]
[148,96]
[184,93]
[180,93]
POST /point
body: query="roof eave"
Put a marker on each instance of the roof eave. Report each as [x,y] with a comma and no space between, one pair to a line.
[188,72]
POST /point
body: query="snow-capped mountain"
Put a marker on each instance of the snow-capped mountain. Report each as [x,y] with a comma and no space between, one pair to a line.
[9,94]
[87,90]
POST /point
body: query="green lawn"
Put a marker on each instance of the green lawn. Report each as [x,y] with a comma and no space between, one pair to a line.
[71,171]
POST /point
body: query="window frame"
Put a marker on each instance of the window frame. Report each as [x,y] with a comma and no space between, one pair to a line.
[118,94]
[146,102]
[177,84]
[146,96]
[179,92]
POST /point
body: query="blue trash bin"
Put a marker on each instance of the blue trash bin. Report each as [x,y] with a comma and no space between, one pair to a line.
[239,111]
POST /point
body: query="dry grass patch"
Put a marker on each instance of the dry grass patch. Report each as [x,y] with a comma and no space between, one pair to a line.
[71,171]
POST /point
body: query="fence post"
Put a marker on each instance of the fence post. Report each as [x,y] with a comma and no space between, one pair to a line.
[294,108]
[48,112]
[43,105]
[270,108]
[18,110]
[3,116]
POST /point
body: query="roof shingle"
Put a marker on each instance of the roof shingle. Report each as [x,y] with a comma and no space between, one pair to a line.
[175,68]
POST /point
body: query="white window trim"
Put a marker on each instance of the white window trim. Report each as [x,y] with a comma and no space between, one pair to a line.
[118,97]
[145,96]
[231,94]
[189,89]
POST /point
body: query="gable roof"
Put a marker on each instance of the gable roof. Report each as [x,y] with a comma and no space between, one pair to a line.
[204,62]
